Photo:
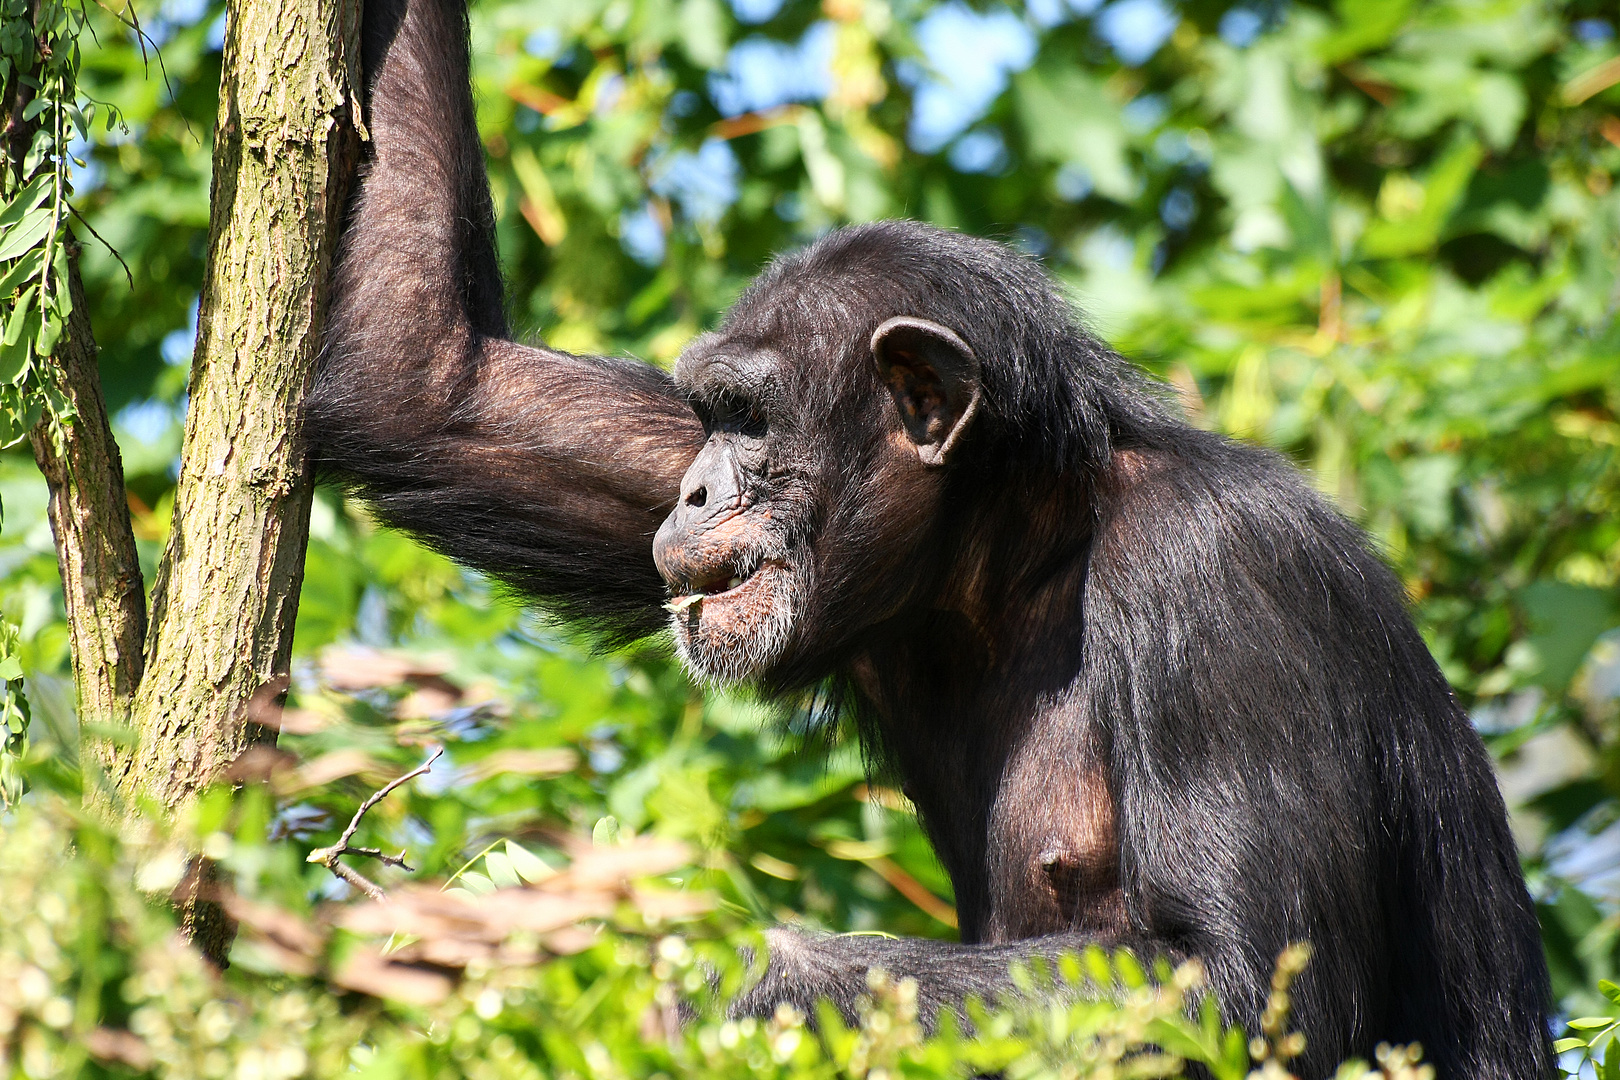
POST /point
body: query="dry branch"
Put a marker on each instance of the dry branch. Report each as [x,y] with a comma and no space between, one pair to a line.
[328,856]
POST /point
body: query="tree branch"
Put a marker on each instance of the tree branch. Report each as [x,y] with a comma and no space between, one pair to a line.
[328,856]
[225,596]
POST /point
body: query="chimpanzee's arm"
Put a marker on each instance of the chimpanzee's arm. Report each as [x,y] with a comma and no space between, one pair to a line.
[550,471]
[805,969]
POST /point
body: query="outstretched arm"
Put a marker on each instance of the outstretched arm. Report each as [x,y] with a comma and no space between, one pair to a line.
[549,471]
[805,969]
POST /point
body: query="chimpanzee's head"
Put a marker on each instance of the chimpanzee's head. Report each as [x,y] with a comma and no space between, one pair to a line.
[848,397]
[814,484]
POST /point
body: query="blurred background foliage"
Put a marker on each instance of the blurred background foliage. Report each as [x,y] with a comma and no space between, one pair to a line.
[1381,236]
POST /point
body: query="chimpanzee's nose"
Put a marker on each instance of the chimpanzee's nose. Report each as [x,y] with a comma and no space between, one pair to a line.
[712,484]
[711,490]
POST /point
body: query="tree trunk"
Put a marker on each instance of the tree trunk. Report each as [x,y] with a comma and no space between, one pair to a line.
[226,591]
[88,508]
[95,549]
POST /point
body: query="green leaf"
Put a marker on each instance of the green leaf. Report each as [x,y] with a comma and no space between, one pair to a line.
[1609,990]
[1069,119]
[32,229]
[60,405]
[1439,195]
[25,200]
[605,833]
[19,318]
[10,668]
[500,871]
[476,883]
[17,419]
[62,293]
[39,151]
[529,866]
[9,355]
[703,32]
[1097,967]
[1130,971]
[1567,1044]
[1178,1041]
[1589,1023]
[22,270]
[1235,1051]
[1565,621]
[1365,25]
[16,359]
[50,332]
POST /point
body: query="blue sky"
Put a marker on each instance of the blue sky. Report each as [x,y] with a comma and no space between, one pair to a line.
[762,73]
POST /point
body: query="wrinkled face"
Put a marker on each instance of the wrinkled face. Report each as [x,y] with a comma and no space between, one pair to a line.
[798,492]
[732,551]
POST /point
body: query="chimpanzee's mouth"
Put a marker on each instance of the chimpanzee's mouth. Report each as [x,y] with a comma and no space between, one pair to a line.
[735,624]
[727,581]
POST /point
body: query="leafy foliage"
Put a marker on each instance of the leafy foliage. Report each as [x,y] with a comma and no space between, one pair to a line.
[1593,1036]
[14,716]
[602,964]
[39,68]
[1380,236]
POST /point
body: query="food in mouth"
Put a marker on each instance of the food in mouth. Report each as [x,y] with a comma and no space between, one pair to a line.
[697,592]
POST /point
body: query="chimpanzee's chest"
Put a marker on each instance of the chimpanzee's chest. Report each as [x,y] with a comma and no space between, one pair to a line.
[1015,796]
[1052,849]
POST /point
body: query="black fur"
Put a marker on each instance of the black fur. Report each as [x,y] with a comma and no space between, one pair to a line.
[1144,687]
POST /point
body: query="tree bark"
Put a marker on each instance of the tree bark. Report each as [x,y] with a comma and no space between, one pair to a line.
[227,587]
[95,548]
[226,591]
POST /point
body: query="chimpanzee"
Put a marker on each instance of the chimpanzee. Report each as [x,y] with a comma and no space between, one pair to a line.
[1143,686]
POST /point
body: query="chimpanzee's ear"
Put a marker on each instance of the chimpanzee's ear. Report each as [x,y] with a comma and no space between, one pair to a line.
[934,379]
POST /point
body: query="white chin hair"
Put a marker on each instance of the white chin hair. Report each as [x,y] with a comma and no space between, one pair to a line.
[734,650]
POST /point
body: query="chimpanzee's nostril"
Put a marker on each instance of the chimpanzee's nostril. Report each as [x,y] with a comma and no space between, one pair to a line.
[698,497]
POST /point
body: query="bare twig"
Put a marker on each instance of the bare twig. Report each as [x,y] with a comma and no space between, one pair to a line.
[110,249]
[381,856]
[359,881]
[131,21]
[328,856]
[382,793]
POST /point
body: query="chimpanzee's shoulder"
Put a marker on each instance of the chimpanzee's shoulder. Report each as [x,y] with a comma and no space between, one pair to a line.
[1202,508]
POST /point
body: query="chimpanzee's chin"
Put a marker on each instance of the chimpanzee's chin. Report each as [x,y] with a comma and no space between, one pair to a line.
[741,633]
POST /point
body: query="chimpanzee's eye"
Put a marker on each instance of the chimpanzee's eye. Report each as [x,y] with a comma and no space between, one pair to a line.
[704,414]
[737,415]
